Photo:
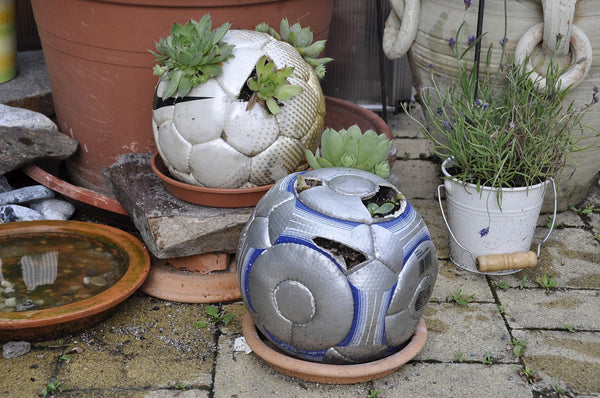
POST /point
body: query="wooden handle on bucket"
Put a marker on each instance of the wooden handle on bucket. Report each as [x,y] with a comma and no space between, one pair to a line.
[508,261]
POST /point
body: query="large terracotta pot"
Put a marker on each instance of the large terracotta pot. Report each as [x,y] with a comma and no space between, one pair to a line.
[423,28]
[100,70]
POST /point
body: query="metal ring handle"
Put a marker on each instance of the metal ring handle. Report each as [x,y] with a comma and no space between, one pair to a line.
[553,218]
[401,27]
[580,45]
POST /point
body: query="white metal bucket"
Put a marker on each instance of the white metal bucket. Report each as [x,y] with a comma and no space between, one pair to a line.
[479,227]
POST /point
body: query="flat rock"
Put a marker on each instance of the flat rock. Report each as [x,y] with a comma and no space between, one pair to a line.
[14,349]
[11,116]
[169,226]
[20,146]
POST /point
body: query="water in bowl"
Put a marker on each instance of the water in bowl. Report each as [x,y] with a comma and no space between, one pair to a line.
[40,271]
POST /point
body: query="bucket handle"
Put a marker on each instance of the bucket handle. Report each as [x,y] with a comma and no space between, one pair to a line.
[507,261]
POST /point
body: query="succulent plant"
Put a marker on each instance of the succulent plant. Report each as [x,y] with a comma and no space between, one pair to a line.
[351,148]
[191,55]
[269,85]
[302,40]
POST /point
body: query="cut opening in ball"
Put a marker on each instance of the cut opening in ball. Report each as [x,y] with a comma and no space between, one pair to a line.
[349,257]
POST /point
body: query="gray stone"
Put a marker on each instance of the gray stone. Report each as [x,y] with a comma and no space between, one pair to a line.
[169,226]
[54,209]
[26,194]
[20,146]
[11,116]
[10,213]
[14,349]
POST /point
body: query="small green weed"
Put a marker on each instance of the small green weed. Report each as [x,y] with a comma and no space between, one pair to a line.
[458,356]
[527,374]
[523,281]
[500,285]
[597,236]
[461,299]
[180,385]
[216,317]
[52,388]
[570,327]
[546,282]
[488,359]
[589,209]
[65,358]
[501,309]
[518,347]
[557,225]
[374,393]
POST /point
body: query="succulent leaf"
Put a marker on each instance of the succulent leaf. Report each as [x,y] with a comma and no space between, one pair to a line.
[351,148]
[332,146]
[311,159]
[348,160]
[302,40]
[193,50]
[270,86]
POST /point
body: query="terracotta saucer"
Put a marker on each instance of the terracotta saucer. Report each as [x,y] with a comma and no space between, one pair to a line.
[75,192]
[333,374]
[54,322]
[204,196]
[204,278]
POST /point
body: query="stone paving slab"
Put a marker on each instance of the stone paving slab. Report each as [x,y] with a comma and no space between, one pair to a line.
[561,356]
[132,348]
[260,380]
[416,148]
[431,213]
[28,374]
[538,309]
[452,278]
[458,333]
[452,380]
[416,179]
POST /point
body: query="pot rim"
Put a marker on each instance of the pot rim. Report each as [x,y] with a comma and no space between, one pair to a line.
[448,162]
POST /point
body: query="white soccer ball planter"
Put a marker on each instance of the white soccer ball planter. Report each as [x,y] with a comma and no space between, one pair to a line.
[325,280]
[209,138]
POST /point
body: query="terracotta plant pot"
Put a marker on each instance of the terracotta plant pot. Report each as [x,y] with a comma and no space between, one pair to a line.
[332,374]
[54,322]
[100,70]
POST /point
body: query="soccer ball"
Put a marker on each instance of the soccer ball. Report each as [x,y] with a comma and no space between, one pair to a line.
[324,279]
[208,138]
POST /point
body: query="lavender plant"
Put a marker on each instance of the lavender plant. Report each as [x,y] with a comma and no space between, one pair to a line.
[502,129]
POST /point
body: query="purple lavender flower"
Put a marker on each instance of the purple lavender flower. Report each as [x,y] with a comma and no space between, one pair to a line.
[484,232]
[440,111]
[472,39]
[452,42]
[503,41]
[447,125]
[596,89]
[558,36]
[430,66]
[467,4]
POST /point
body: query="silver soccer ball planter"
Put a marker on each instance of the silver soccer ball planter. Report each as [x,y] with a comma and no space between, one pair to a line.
[208,138]
[323,279]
